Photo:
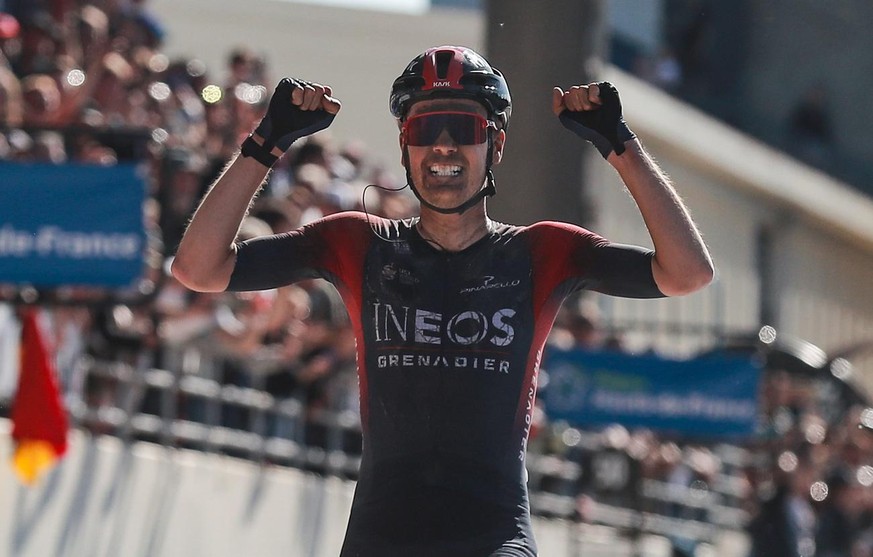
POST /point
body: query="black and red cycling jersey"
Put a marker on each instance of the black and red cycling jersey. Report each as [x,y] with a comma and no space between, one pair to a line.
[448,348]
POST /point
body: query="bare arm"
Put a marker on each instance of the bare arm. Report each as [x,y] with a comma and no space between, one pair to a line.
[207,253]
[682,263]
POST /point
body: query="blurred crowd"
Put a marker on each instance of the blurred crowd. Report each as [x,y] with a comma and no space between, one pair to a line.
[86,81]
[801,487]
[812,489]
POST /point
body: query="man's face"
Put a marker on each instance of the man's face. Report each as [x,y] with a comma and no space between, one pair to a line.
[448,172]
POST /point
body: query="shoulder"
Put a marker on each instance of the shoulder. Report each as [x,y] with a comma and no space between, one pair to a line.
[351,219]
[351,222]
[359,218]
[562,232]
[355,227]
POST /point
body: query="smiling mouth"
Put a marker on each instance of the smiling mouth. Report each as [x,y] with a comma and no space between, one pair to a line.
[444,170]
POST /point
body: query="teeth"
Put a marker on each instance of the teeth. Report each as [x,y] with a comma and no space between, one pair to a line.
[445,170]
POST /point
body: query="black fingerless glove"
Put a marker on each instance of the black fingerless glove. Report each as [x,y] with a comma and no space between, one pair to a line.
[604,126]
[284,123]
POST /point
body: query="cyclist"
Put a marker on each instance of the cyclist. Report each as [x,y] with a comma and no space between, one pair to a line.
[451,309]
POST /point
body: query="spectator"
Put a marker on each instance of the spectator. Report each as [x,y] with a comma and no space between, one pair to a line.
[243,67]
[840,517]
[41,42]
[48,146]
[92,26]
[110,97]
[42,100]
[10,31]
[662,70]
[666,70]
[785,523]
[810,127]
[181,186]
[11,102]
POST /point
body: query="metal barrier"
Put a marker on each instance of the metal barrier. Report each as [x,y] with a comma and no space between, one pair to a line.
[621,497]
[180,410]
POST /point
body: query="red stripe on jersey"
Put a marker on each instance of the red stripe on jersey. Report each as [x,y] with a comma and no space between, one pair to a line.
[349,236]
[558,252]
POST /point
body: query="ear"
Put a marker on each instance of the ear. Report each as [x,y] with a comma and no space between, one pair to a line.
[498,145]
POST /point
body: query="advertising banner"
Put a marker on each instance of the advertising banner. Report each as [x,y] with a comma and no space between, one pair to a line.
[71,225]
[711,396]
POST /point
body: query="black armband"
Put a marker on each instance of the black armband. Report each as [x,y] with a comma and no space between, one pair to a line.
[250,148]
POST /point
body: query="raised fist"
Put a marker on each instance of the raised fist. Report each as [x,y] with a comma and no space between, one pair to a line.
[593,112]
[297,108]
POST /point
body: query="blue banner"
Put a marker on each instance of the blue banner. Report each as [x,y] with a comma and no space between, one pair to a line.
[68,225]
[711,396]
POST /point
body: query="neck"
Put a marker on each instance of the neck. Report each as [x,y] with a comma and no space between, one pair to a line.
[454,232]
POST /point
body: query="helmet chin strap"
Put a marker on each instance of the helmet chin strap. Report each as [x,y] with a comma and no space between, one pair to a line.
[487,190]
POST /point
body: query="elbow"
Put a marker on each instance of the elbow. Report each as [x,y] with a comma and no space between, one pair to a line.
[689,281]
[701,279]
[195,278]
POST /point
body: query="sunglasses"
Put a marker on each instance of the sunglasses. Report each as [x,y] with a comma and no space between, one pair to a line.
[465,128]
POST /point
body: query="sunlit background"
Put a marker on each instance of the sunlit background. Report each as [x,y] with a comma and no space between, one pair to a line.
[221,424]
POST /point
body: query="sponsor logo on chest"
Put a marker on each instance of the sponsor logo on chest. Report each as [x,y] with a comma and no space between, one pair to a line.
[405,324]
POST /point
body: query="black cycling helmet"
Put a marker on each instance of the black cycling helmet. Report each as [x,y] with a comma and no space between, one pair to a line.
[451,72]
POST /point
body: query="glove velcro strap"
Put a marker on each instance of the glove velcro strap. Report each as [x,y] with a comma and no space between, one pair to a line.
[623,134]
[250,148]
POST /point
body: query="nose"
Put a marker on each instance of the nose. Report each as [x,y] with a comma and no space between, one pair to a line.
[445,143]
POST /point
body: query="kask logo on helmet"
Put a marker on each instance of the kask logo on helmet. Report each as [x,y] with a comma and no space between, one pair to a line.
[449,71]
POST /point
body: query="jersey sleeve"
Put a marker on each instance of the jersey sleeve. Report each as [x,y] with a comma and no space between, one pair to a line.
[623,270]
[585,260]
[324,249]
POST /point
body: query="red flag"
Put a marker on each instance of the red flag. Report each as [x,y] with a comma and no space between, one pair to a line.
[39,420]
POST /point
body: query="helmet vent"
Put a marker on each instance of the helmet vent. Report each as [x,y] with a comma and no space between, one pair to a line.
[443,59]
[451,72]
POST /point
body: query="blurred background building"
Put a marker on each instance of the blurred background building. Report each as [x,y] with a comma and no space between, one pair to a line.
[757,109]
